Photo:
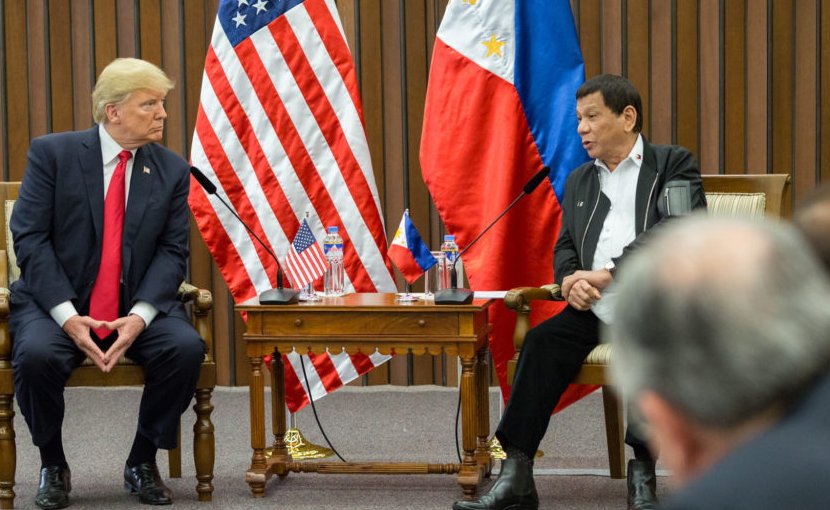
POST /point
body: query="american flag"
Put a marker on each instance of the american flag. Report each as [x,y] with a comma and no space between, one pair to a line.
[280,130]
[305,261]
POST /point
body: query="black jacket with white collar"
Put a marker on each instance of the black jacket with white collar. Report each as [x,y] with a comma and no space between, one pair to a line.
[584,207]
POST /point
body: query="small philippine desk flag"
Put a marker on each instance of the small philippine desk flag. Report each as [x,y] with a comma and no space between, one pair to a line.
[408,251]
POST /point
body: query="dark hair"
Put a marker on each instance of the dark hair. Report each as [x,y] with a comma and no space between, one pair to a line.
[617,93]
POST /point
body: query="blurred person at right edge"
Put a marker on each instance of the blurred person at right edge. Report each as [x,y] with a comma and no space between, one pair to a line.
[722,337]
[812,218]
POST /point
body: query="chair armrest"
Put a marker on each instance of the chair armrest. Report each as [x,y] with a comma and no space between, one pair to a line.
[5,338]
[519,298]
[202,301]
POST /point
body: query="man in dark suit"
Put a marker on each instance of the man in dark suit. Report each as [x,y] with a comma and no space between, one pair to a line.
[611,205]
[100,231]
[723,339]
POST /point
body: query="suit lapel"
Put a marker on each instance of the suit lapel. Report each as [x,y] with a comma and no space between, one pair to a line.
[92,168]
[645,183]
[141,185]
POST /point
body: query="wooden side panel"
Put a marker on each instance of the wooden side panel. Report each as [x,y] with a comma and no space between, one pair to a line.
[611,34]
[16,88]
[757,89]
[734,84]
[782,67]
[710,87]
[637,55]
[590,36]
[662,85]
[805,166]
[687,111]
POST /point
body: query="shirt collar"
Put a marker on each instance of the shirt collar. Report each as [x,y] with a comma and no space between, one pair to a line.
[109,147]
[636,155]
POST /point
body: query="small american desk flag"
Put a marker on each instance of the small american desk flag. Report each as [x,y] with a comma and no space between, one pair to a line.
[305,261]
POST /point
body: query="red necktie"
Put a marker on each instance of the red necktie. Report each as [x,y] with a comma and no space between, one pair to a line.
[103,304]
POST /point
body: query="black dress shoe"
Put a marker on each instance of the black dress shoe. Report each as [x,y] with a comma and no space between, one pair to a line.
[53,489]
[144,480]
[642,485]
[514,490]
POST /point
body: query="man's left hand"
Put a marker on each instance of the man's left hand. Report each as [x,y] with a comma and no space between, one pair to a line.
[128,328]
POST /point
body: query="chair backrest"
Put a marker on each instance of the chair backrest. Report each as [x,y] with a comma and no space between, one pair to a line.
[752,195]
[8,195]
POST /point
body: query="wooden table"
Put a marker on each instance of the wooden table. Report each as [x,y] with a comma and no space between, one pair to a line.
[362,323]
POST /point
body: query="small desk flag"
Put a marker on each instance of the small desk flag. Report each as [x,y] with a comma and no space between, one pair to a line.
[408,251]
[305,261]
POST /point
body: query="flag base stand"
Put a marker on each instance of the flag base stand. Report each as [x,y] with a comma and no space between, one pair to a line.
[278,297]
[497,453]
[453,297]
[301,448]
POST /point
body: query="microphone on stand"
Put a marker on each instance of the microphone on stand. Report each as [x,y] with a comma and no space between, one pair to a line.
[278,296]
[456,296]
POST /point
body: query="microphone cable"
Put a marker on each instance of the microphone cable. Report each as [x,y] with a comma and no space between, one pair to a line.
[457,415]
[314,409]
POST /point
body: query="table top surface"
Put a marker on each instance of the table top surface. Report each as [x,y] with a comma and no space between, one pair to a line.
[367,301]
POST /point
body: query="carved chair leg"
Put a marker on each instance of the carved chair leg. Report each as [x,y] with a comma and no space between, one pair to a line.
[174,456]
[614,431]
[204,444]
[8,452]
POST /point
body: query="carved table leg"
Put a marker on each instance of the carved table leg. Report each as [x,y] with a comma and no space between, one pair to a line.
[279,452]
[8,452]
[204,444]
[469,476]
[485,461]
[256,475]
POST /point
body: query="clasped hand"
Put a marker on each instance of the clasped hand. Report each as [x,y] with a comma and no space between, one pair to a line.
[583,288]
[78,328]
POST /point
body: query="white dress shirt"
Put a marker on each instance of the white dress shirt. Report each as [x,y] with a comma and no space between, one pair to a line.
[109,155]
[620,186]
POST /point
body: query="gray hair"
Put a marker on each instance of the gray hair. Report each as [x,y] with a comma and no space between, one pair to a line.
[723,318]
[122,77]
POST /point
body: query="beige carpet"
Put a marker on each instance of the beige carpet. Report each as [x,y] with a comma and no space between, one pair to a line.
[375,423]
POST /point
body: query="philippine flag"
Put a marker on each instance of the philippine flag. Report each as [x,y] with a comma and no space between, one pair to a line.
[501,105]
[408,251]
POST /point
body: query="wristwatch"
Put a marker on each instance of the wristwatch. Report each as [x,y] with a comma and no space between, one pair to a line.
[610,267]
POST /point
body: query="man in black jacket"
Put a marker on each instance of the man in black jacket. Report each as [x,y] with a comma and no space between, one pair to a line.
[610,204]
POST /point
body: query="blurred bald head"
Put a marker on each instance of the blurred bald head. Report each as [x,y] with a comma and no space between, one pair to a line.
[724,318]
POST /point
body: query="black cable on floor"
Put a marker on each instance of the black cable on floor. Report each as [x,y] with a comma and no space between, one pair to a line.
[457,414]
[317,418]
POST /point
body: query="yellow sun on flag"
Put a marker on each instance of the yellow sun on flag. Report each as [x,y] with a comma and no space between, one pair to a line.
[493,46]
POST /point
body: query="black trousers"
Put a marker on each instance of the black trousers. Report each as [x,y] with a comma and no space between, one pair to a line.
[551,356]
[44,356]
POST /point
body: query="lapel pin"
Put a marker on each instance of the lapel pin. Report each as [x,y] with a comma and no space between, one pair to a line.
[146,170]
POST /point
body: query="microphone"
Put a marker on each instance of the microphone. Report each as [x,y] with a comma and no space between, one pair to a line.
[456,296]
[278,296]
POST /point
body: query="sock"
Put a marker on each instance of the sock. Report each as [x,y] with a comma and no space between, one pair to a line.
[642,453]
[51,454]
[143,450]
[514,453]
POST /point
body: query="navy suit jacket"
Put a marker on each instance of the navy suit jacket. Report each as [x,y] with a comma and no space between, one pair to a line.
[58,220]
[786,467]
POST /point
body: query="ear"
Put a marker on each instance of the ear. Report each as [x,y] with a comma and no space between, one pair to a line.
[113,115]
[630,116]
[676,437]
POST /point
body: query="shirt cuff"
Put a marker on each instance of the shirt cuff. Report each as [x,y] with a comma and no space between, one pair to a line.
[144,310]
[63,312]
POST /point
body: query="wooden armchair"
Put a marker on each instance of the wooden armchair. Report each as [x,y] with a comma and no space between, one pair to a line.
[727,195]
[126,373]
